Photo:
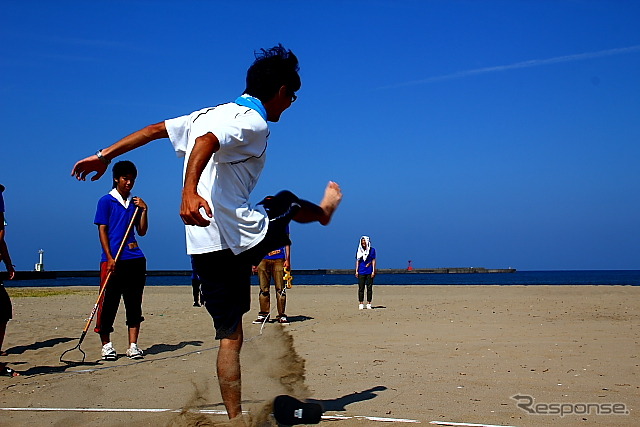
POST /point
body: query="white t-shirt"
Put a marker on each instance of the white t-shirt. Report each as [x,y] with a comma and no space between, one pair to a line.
[229,176]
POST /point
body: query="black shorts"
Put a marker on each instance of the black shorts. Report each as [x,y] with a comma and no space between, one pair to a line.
[226,278]
[6,310]
[225,285]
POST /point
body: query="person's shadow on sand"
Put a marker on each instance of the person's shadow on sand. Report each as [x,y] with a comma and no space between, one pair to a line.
[43,370]
[340,403]
[163,348]
[19,349]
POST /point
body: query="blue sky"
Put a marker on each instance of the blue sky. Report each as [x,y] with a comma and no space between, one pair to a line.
[463,133]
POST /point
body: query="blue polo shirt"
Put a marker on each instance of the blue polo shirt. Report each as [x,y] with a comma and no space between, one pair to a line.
[362,265]
[116,217]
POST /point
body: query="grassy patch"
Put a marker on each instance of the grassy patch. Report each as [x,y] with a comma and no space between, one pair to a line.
[45,292]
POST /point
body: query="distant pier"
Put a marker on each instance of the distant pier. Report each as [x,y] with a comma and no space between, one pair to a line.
[41,275]
[444,270]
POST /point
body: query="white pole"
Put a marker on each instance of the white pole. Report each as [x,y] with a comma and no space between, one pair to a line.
[40,264]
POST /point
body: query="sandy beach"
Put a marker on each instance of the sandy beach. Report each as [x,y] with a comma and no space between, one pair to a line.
[423,354]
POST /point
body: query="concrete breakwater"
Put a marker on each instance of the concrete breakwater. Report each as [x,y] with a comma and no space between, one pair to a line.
[444,270]
[35,275]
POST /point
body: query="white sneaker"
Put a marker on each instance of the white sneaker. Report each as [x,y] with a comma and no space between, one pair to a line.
[134,352]
[369,307]
[260,319]
[360,306]
[108,352]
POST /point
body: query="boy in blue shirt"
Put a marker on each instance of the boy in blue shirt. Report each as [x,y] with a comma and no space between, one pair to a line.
[113,215]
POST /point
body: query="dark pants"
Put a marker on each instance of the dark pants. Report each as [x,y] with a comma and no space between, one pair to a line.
[6,311]
[126,281]
[195,286]
[365,279]
[267,269]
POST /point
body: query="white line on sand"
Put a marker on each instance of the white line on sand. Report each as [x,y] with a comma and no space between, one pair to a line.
[202,411]
[449,423]
[363,417]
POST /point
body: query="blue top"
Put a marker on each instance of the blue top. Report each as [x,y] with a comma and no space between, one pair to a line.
[111,213]
[366,267]
[278,253]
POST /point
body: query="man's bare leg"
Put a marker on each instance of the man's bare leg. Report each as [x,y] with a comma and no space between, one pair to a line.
[229,372]
[311,212]
[330,201]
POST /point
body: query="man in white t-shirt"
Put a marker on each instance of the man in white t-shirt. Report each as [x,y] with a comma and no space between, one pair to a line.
[224,149]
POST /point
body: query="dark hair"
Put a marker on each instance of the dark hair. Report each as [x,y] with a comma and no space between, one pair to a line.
[272,69]
[123,168]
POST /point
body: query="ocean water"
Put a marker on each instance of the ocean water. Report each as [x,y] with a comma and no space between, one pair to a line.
[577,277]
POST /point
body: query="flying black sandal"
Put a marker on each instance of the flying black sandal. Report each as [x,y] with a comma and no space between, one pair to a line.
[291,411]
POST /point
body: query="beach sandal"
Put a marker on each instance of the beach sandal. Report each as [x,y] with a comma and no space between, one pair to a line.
[8,372]
[290,411]
[3,353]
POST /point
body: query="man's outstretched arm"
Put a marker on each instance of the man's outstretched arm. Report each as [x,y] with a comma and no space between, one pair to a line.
[137,139]
[202,152]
